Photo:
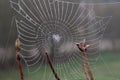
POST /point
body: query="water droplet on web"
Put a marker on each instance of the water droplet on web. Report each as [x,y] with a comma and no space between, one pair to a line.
[56,37]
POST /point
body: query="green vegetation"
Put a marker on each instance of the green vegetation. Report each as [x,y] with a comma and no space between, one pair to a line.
[106,68]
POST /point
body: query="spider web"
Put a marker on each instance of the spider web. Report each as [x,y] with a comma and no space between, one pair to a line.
[56,27]
[91,2]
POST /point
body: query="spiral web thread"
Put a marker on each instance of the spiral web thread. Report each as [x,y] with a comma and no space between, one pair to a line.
[56,26]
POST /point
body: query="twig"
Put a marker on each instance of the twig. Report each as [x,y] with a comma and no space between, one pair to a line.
[51,66]
[85,71]
[17,46]
[83,48]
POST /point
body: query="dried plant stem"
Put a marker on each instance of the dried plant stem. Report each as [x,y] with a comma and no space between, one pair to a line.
[83,48]
[17,46]
[20,66]
[85,72]
[87,67]
[51,66]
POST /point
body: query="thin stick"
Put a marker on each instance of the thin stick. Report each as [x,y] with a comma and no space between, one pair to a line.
[83,48]
[85,71]
[51,66]
[17,46]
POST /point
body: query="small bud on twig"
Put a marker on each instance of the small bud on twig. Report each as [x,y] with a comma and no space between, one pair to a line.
[17,46]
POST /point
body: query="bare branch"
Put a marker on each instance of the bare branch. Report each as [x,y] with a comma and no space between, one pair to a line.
[83,48]
[17,46]
[51,66]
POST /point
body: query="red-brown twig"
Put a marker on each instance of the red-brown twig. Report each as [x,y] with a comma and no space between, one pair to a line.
[17,46]
[83,48]
[51,66]
[85,71]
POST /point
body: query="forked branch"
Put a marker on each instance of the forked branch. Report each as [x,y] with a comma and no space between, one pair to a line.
[83,48]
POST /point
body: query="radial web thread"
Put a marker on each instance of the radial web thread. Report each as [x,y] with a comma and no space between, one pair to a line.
[56,27]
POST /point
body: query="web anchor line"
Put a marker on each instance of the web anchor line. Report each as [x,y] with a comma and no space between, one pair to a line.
[18,57]
[86,66]
[51,66]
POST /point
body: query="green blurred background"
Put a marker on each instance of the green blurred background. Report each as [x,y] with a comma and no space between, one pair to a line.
[108,66]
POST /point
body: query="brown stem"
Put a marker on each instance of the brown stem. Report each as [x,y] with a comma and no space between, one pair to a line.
[85,71]
[87,67]
[83,47]
[51,66]
[17,46]
[20,66]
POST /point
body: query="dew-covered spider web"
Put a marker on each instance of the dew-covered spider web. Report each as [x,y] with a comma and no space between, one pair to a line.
[56,26]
